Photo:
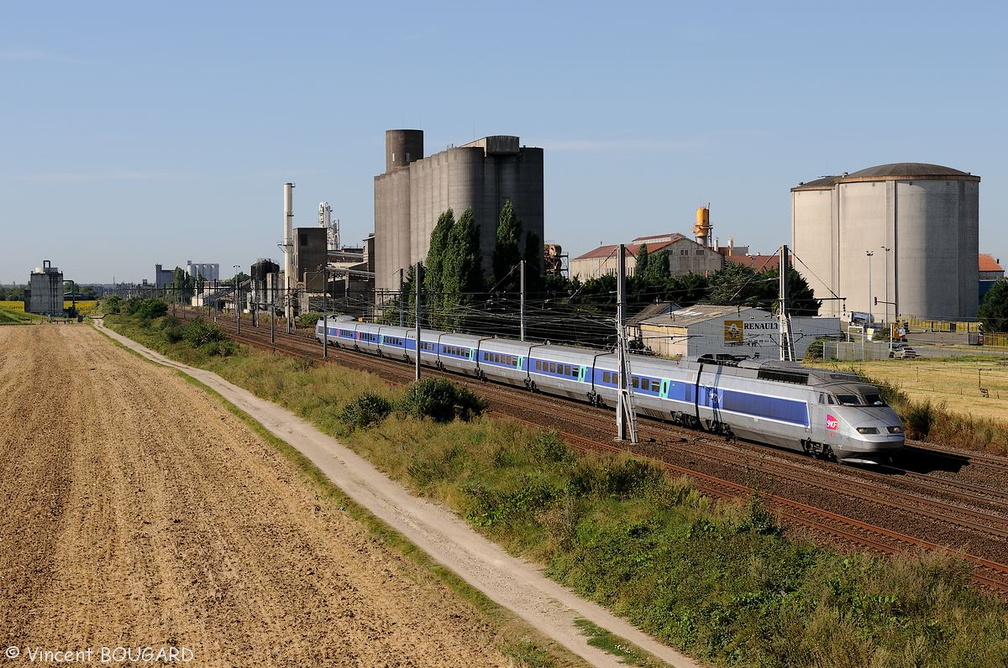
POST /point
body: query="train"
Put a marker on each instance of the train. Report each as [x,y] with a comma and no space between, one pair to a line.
[825,413]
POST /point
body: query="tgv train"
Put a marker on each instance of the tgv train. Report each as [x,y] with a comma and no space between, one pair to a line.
[829,414]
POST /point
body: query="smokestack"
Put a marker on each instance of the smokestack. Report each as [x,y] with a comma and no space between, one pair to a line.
[289,281]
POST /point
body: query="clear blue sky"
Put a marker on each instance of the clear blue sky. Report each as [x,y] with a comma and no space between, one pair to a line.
[137,133]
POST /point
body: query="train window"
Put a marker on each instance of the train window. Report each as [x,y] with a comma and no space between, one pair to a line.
[849,399]
[655,385]
[874,400]
[829,399]
[552,367]
[575,372]
[822,398]
[635,381]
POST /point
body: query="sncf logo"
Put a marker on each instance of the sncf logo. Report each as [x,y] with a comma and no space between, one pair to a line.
[831,422]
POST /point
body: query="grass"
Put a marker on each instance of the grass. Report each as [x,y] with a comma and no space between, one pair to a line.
[12,317]
[719,580]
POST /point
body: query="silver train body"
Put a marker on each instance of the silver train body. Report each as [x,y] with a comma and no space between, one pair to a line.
[826,413]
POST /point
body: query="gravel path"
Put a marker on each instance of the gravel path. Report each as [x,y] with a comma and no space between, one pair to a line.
[510,582]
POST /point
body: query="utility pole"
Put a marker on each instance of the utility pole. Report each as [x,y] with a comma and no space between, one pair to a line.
[784,321]
[626,415]
[273,310]
[417,285]
[325,312]
[521,309]
[402,302]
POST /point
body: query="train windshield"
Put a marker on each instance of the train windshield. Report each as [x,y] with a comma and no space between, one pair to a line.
[869,399]
[874,400]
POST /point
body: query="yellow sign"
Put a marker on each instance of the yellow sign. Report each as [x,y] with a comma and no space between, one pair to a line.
[733,331]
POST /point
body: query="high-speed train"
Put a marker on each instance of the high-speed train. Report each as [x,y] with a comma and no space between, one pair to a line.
[829,414]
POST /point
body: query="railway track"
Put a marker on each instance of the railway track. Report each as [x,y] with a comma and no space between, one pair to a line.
[926,512]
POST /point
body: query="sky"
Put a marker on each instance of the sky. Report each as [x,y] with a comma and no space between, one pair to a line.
[136,133]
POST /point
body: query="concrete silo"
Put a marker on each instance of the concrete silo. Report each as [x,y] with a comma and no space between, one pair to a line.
[904,233]
[414,191]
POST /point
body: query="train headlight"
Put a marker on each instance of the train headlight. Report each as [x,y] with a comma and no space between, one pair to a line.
[867,430]
[895,430]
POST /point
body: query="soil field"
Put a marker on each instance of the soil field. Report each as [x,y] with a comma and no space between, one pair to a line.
[956,382]
[138,513]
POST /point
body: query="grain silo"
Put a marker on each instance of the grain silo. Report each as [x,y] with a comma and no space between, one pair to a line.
[899,239]
[415,190]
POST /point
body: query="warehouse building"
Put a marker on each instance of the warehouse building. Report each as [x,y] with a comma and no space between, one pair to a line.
[685,257]
[414,191]
[699,330]
[896,240]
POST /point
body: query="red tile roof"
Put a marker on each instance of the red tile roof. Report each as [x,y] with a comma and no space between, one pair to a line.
[988,263]
[757,262]
[603,252]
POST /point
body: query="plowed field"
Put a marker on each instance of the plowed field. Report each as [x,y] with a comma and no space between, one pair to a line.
[139,513]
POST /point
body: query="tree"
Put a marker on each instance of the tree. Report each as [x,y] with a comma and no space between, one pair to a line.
[506,252]
[435,262]
[642,261]
[658,270]
[462,271]
[993,312]
[533,257]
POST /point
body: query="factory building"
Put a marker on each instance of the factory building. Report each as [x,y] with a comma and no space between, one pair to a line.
[310,256]
[699,330]
[45,290]
[163,277]
[414,191]
[210,271]
[903,233]
[685,257]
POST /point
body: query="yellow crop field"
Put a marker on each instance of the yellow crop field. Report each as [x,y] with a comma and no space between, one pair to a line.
[957,382]
[84,307]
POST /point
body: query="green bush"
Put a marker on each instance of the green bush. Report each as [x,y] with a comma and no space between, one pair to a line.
[918,418]
[198,333]
[365,410]
[441,400]
[146,309]
[308,319]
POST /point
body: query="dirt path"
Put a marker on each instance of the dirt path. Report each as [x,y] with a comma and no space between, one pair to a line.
[139,513]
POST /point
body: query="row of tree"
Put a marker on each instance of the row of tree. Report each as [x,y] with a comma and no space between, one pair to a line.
[459,295]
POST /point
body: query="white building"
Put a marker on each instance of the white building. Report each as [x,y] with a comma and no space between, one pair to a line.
[711,330]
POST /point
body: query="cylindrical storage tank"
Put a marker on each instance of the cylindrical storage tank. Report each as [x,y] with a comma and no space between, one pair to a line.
[702,227]
[904,241]
[402,147]
[814,237]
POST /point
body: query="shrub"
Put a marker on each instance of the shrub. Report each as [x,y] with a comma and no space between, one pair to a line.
[308,319]
[441,400]
[919,417]
[200,332]
[146,309]
[365,410]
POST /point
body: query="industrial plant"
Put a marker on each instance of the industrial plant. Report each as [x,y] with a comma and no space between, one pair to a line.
[897,239]
[44,294]
[414,191]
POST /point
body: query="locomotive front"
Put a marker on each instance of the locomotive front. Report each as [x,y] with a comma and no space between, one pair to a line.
[857,424]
